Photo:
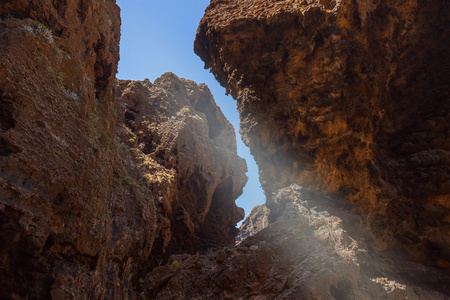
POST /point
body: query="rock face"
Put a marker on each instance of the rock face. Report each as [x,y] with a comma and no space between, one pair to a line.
[185,151]
[123,189]
[347,97]
[58,62]
[96,190]
[257,220]
[305,254]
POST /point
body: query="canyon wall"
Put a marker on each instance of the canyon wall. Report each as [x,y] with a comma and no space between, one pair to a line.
[346,97]
[96,186]
[58,61]
[120,189]
[344,105]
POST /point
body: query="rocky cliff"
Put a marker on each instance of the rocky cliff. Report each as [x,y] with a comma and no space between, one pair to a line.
[348,97]
[98,187]
[350,101]
[125,189]
[58,62]
[184,151]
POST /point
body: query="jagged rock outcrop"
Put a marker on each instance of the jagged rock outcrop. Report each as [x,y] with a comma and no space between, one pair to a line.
[185,150]
[257,220]
[92,196]
[350,100]
[349,97]
[305,254]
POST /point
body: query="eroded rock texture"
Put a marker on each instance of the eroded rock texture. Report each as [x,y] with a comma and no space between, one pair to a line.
[58,61]
[96,190]
[185,150]
[257,220]
[348,97]
[304,254]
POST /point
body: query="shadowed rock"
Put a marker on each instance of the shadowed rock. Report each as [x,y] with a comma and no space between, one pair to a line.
[348,97]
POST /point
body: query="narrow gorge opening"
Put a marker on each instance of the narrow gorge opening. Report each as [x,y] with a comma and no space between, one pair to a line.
[115,188]
[158,38]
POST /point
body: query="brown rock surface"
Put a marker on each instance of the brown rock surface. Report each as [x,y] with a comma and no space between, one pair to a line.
[185,150]
[257,220]
[58,62]
[305,254]
[348,97]
[85,211]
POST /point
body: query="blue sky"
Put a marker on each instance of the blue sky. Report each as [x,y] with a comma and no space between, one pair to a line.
[158,37]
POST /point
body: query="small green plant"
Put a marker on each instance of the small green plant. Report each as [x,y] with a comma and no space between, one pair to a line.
[141,283]
[44,31]
[147,164]
[176,265]
[172,179]
[41,185]
[133,139]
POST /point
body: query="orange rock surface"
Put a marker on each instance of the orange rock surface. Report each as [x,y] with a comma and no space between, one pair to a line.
[347,97]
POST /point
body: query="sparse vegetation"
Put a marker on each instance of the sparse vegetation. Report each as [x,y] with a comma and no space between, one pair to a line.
[197,117]
[41,29]
[176,265]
